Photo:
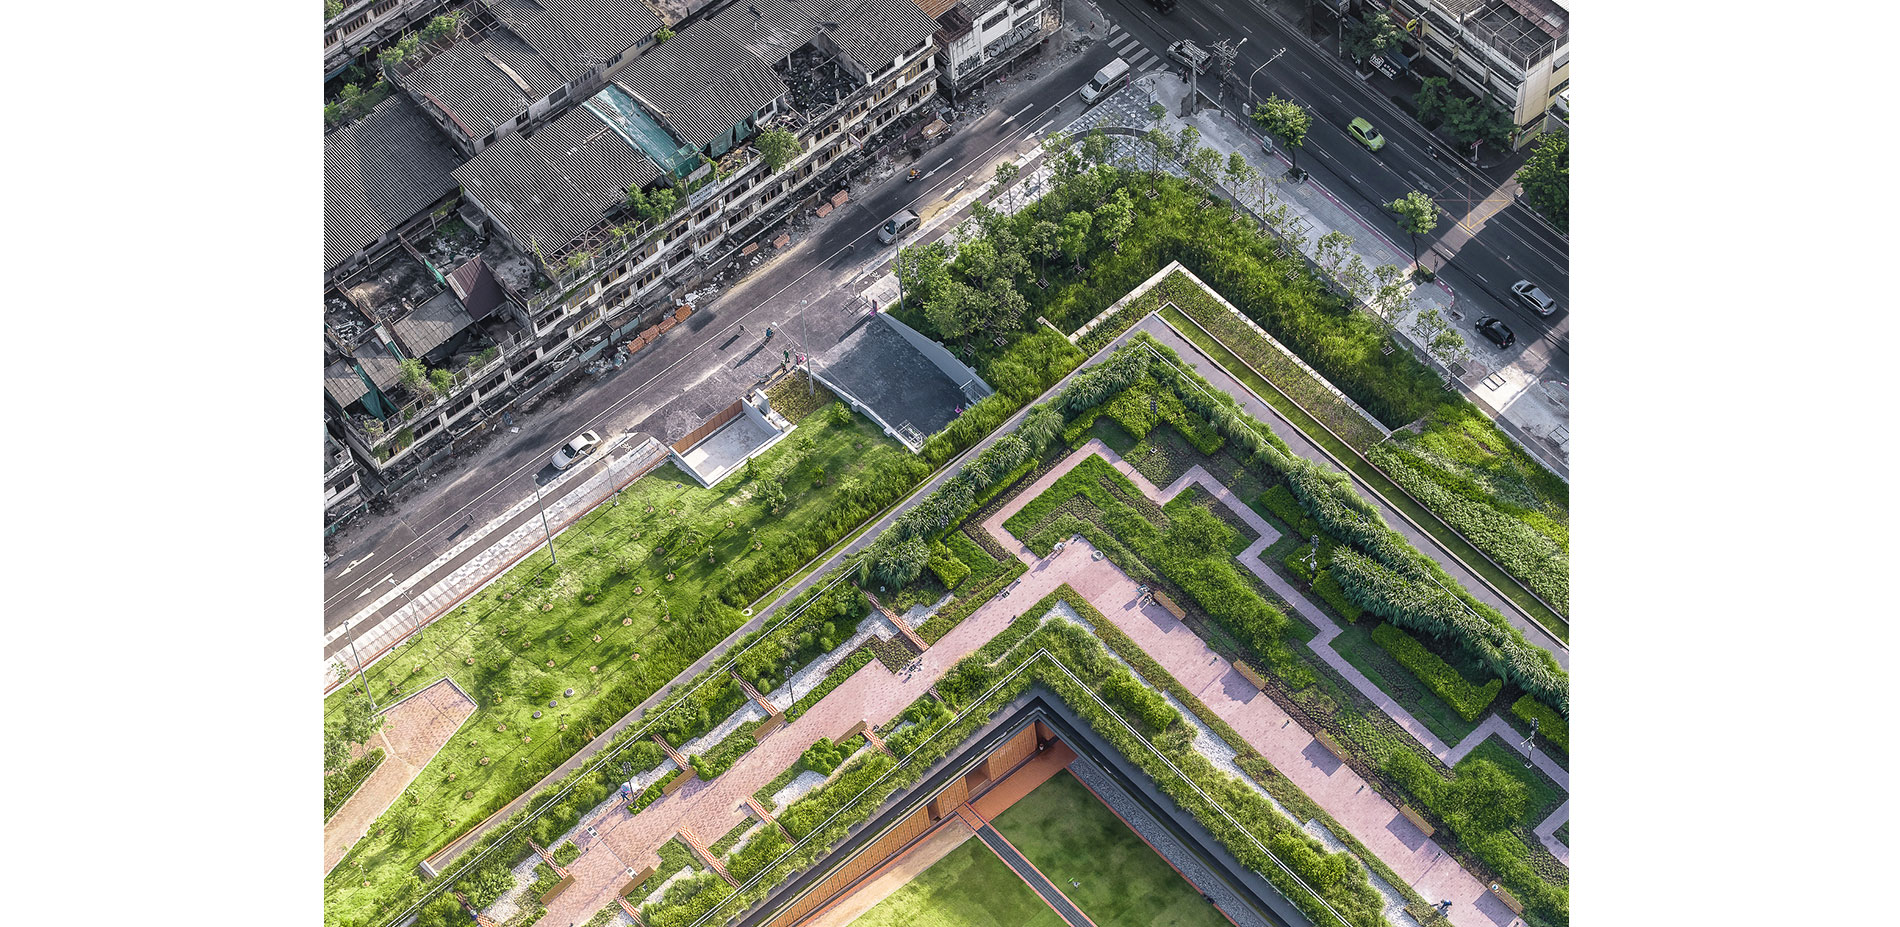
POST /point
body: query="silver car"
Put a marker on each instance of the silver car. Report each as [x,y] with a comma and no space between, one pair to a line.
[576,447]
[1534,298]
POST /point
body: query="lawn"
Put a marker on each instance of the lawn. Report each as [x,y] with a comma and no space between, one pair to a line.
[970,887]
[608,624]
[1072,837]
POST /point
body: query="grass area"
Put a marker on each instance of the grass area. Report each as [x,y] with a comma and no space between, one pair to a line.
[1563,834]
[970,887]
[1419,514]
[607,623]
[1542,796]
[1356,645]
[1073,838]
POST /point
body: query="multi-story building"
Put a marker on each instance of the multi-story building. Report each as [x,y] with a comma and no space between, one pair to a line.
[364,24]
[1515,53]
[535,261]
[975,38]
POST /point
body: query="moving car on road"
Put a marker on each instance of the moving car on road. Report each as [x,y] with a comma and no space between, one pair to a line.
[1190,54]
[1534,298]
[1105,81]
[1496,332]
[899,225]
[576,447]
[1363,132]
[1161,6]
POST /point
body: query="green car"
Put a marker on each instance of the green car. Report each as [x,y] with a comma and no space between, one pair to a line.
[1366,134]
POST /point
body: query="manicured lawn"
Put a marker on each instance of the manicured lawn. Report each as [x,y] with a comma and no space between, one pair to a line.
[541,629]
[970,887]
[1072,837]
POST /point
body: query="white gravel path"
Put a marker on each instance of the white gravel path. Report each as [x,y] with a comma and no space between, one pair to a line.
[509,904]
[796,789]
[751,712]
[1394,902]
[875,625]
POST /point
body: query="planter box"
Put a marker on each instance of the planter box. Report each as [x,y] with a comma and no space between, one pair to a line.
[558,888]
[1248,673]
[637,881]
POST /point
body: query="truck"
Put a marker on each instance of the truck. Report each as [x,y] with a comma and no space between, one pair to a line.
[1190,55]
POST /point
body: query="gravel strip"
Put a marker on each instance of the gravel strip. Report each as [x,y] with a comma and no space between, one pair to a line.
[876,625]
[797,788]
[751,712]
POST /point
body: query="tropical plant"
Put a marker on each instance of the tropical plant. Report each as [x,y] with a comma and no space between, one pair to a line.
[778,146]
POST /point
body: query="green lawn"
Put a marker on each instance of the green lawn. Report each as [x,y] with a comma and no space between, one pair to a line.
[1072,837]
[970,887]
[611,644]
[1356,645]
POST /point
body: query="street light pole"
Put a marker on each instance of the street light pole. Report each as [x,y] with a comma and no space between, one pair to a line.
[1276,57]
[544,523]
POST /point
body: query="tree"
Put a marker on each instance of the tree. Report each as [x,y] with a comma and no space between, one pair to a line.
[1418,215]
[331,8]
[1075,236]
[416,377]
[336,750]
[661,203]
[1388,302]
[1006,172]
[1162,146]
[1203,166]
[770,494]
[1471,121]
[1438,337]
[1239,174]
[359,722]
[1286,121]
[1045,240]
[1371,37]
[1114,217]
[1096,148]
[442,27]
[442,381]
[661,35]
[1546,178]
[1430,99]
[778,146]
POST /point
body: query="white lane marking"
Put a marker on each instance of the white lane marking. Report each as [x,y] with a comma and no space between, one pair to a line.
[1120,40]
[1352,178]
[1012,118]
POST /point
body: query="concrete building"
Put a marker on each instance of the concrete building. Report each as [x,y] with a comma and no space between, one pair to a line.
[1515,53]
[976,38]
[364,24]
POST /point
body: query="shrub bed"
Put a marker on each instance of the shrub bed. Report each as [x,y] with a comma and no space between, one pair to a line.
[340,785]
[1479,806]
[1551,726]
[1468,700]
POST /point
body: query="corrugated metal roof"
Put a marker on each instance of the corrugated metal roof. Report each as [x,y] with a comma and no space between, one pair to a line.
[870,32]
[559,184]
[703,81]
[576,35]
[379,173]
[431,324]
[475,285]
[466,81]
[341,382]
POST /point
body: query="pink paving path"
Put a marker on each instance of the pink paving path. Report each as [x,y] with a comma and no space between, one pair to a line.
[873,694]
[415,729]
[1262,723]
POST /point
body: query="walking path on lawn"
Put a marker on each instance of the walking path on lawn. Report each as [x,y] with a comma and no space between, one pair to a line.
[415,729]
[873,694]
[1265,726]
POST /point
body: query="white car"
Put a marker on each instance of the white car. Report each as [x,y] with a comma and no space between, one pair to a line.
[1534,298]
[576,447]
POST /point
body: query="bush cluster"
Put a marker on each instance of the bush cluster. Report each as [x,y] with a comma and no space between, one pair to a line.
[1480,806]
[1551,726]
[340,785]
[1467,700]
[946,567]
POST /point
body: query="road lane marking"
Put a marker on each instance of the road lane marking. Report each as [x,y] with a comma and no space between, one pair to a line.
[1012,118]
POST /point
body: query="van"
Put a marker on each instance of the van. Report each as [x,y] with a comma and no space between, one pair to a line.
[1190,54]
[899,225]
[1106,81]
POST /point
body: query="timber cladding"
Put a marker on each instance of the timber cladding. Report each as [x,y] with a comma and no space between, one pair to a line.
[712,424]
[870,858]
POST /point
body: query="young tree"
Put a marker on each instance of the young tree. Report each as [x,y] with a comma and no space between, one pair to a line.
[1239,174]
[661,204]
[1330,251]
[1075,236]
[1546,178]
[1372,36]
[1204,166]
[1114,217]
[661,35]
[1389,301]
[1430,99]
[443,28]
[1096,148]
[360,721]
[1440,340]
[1161,144]
[778,146]
[770,494]
[415,376]
[442,381]
[1418,215]
[637,204]
[1045,241]
[1286,121]
[1006,173]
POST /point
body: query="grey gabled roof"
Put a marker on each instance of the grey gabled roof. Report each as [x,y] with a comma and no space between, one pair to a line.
[703,81]
[429,325]
[873,32]
[575,35]
[551,188]
[379,173]
[772,29]
[466,81]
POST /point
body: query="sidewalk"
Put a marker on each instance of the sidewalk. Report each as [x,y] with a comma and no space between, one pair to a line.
[1515,393]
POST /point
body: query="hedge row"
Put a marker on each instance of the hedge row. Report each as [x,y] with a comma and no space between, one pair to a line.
[946,567]
[1467,700]
[1429,609]
[1551,726]
[1478,806]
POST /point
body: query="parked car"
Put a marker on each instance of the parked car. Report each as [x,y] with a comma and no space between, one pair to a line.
[1496,332]
[1190,54]
[576,447]
[1161,6]
[1363,132]
[1533,297]
[899,225]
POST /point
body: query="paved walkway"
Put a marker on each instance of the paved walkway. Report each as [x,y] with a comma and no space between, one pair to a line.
[1261,722]
[415,729]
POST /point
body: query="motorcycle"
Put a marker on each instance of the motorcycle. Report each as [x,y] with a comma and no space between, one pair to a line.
[913,176]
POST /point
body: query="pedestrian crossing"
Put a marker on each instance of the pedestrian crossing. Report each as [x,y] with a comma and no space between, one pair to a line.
[1140,58]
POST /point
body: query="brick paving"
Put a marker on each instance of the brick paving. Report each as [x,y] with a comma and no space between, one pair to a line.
[413,731]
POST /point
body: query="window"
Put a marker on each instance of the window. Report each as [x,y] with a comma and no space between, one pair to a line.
[558,95]
[995,20]
[1560,88]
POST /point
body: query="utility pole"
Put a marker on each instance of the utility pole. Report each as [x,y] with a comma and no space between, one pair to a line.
[1227,51]
[1263,64]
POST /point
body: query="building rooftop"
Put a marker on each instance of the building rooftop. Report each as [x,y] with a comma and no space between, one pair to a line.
[378,173]
[870,32]
[575,36]
[702,82]
[554,186]
[486,82]
[430,325]
[1525,30]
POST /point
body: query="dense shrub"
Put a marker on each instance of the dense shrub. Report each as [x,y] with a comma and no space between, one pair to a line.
[946,567]
[805,814]
[1551,726]
[1480,806]
[1429,609]
[339,786]
[1279,501]
[764,847]
[686,900]
[824,756]
[1468,700]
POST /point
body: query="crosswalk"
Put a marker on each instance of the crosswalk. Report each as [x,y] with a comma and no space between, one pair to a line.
[1140,58]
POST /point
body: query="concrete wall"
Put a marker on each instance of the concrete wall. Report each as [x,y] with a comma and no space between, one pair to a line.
[958,371]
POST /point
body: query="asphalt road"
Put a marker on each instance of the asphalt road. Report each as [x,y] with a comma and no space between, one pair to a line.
[1485,239]
[711,359]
